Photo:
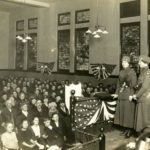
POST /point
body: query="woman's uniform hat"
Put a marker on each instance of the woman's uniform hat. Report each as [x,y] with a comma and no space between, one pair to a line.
[126,58]
[145,59]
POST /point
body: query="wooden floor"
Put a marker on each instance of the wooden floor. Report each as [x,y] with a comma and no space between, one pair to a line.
[116,141]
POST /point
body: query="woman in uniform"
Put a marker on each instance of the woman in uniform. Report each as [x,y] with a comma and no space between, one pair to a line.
[125,109]
[142,114]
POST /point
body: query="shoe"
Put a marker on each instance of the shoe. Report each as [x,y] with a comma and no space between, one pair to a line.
[128,134]
[124,132]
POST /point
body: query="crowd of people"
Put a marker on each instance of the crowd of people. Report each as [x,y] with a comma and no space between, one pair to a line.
[33,114]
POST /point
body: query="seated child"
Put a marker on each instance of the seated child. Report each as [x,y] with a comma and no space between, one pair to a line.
[9,139]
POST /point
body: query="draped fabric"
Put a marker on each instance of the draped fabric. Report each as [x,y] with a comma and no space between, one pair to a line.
[45,67]
[87,111]
[102,71]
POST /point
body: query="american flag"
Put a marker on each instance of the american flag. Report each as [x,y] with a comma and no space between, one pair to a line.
[87,111]
[102,71]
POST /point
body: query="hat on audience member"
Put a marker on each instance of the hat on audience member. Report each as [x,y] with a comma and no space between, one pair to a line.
[144,58]
[126,58]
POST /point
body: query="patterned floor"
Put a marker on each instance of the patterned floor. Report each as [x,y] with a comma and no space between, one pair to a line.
[116,141]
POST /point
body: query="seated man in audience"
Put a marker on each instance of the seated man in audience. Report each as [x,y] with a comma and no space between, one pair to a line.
[59,129]
[24,114]
[8,113]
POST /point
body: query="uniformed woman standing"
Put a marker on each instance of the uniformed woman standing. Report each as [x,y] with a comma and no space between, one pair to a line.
[125,110]
[142,115]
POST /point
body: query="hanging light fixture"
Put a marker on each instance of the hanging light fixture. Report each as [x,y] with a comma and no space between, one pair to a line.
[99,29]
[24,38]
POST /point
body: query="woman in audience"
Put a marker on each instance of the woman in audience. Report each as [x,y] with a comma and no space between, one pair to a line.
[26,137]
[9,139]
[38,133]
[52,108]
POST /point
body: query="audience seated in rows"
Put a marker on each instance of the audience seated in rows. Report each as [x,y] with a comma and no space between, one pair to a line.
[33,114]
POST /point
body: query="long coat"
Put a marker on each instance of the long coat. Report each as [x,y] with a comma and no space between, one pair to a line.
[125,110]
[8,116]
[142,115]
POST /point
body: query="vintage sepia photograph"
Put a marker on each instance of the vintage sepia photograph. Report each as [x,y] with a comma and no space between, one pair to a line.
[74,74]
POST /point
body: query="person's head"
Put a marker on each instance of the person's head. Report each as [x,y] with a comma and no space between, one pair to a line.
[58,99]
[37,92]
[24,107]
[45,100]
[13,102]
[46,93]
[4,97]
[15,95]
[8,103]
[144,61]
[22,96]
[9,127]
[53,95]
[18,90]
[47,122]
[24,89]
[53,88]
[54,147]
[52,106]
[55,117]
[35,121]
[33,101]
[125,61]
[61,104]
[39,103]
[47,86]
[5,88]
[25,124]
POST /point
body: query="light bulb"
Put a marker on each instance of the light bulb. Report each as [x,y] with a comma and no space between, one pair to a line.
[24,40]
[96,36]
[105,32]
[94,33]
[28,38]
[99,31]
[19,37]
[89,31]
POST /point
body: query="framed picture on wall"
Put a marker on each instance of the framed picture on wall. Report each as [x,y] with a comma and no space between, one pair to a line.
[64,19]
[64,50]
[130,42]
[82,16]
[20,25]
[32,23]
[81,50]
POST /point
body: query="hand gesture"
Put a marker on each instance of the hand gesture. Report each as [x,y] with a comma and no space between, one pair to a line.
[130,98]
[114,96]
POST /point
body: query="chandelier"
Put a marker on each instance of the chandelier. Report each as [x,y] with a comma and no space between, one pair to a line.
[24,38]
[99,29]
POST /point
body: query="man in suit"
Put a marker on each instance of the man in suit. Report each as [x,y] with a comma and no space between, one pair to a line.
[24,115]
[8,113]
[59,130]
